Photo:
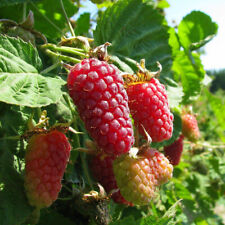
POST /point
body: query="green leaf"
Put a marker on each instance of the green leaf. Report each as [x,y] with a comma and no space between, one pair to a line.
[124,63]
[14,120]
[13,2]
[14,208]
[163,4]
[196,29]
[171,212]
[200,221]
[174,91]
[29,89]
[174,41]
[18,56]
[83,24]
[48,16]
[218,108]
[20,82]
[191,72]
[182,192]
[136,30]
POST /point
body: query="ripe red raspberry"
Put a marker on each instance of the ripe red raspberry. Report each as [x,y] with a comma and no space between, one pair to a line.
[174,151]
[46,159]
[137,177]
[97,90]
[102,169]
[190,127]
[149,108]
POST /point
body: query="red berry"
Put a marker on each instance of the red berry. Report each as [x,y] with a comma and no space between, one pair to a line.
[46,159]
[137,177]
[174,151]
[102,169]
[97,90]
[149,107]
[190,127]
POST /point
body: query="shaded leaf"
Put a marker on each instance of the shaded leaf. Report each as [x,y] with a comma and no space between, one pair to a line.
[83,24]
[13,2]
[136,30]
[52,217]
[14,120]
[48,16]
[127,220]
[14,208]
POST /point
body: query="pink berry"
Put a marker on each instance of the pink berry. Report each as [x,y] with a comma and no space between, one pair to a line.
[137,177]
[190,127]
[174,151]
[97,90]
[46,159]
[149,107]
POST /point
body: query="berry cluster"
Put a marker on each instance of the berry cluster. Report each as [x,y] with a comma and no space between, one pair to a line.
[101,97]
[104,103]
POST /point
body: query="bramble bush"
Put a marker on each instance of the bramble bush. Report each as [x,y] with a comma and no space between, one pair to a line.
[39,43]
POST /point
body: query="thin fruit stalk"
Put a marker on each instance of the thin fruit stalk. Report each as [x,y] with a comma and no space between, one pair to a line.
[97,90]
[46,159]
[137,177]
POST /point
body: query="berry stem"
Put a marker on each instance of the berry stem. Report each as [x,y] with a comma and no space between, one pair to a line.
[67,19]
[30,123]
[67,188]
[74,51]
[85,168]
[24,11]
[62,57]
[11,138]
[34,217]
[72,108]
[207,145]
[77,142]
[50,68]
[65,199]
[86,150]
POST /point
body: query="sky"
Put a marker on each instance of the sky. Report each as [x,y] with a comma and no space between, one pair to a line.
[214,57]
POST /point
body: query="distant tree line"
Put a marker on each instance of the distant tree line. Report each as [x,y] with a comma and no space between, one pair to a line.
[218,77]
